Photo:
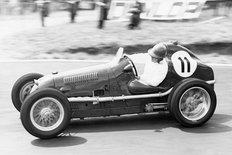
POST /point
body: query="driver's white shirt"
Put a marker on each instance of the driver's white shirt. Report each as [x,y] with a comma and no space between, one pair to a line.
[154,73]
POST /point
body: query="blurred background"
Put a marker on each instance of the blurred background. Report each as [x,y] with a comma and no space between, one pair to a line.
[95,29]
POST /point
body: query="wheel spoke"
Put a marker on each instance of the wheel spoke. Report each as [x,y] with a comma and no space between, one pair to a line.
[194,103]
[47,113]
[25,90]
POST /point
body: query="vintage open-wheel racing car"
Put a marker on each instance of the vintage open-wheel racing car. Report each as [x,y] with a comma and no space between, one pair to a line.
[48,103]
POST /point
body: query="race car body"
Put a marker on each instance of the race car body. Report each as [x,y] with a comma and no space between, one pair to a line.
[50,101]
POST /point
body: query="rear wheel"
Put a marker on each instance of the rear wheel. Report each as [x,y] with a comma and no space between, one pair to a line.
[171,94]
[22,88]
[45,113]
[193,102]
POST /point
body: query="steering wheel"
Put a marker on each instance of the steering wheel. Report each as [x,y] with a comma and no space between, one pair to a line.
[132,64]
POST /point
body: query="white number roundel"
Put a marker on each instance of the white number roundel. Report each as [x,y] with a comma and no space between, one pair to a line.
[183,63]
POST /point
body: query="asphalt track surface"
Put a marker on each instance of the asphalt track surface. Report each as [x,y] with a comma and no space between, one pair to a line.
[127,135]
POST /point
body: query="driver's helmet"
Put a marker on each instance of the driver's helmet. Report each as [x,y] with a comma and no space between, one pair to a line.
[158,51]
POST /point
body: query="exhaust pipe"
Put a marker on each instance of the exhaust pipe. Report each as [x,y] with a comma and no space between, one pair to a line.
[96,100]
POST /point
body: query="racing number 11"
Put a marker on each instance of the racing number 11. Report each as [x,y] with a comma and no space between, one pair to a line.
[183,64]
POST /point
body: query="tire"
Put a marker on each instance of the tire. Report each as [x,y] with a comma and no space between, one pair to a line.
[171,94]
[22,88]
[193,102]
[45,113]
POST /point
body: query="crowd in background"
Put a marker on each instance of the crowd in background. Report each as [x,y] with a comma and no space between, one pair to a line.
[24,6]
[12,7]
[9,7]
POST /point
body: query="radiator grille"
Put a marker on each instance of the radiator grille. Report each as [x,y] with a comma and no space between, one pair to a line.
[81,78]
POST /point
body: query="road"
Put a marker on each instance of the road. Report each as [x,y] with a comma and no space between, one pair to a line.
[127,135]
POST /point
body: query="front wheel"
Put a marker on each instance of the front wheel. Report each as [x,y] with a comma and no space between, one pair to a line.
[193,103]
[22,88]
[45,113]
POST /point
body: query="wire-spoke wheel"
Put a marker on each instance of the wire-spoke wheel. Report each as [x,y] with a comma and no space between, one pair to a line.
[45,113]
[25,90]
[193,102]
[22,88]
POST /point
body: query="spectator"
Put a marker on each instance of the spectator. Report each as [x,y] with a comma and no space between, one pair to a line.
[228,5]
[135,17]
[73,8]
[44,10]
[104,7]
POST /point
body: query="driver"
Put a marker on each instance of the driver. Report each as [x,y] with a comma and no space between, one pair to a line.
[156,67]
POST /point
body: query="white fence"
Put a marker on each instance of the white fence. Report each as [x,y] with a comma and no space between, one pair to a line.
[158,9]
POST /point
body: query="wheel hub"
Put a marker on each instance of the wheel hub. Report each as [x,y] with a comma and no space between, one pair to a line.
[194,103]
[47,113]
